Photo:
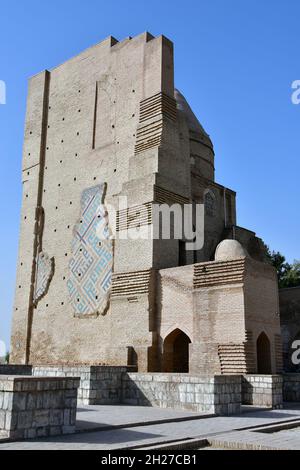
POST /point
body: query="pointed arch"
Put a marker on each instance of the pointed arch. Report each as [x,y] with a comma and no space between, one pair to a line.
[263,354]
[176,352]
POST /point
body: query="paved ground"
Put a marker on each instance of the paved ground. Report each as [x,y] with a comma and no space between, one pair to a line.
[104,417]
[220,431]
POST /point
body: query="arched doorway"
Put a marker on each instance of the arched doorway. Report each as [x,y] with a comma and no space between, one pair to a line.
[263,351]
[176,352]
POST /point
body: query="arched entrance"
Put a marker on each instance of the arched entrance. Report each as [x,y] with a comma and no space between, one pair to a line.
[176,352]
[263,351]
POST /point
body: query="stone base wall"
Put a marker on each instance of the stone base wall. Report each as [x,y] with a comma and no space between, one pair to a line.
[15,369]
[33,407]
[215,394]
[262,390]
[99,385]
[291,387]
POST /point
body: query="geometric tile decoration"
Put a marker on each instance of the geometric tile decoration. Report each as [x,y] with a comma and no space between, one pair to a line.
[90,268]
[44,274]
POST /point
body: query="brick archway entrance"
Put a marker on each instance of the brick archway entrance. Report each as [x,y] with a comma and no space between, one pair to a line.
[263,350]
[176,352]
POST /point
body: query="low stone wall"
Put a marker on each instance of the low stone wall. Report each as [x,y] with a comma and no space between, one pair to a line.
[262,390]
[291,387]
[15,369]
[37,407]
[215,394]
[99,385]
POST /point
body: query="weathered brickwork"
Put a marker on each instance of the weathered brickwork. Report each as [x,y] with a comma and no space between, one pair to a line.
[33,407]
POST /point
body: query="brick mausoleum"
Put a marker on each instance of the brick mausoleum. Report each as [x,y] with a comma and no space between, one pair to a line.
[105,126]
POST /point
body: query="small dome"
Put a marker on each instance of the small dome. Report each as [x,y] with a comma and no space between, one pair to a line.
[228,250]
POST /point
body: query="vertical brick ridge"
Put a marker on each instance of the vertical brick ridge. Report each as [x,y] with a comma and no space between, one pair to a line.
[37,246]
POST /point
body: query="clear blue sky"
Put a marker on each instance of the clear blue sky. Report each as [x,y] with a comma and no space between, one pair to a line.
[235,61]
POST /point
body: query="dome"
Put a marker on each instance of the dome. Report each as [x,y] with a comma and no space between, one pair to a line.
[200,145]
[182,105]
[229,250]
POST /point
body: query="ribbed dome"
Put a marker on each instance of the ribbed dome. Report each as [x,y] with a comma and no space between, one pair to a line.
[229,250]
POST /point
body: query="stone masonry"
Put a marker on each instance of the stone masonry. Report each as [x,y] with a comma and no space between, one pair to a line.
[215,394]
[33,407]
[260,390]
[98,384]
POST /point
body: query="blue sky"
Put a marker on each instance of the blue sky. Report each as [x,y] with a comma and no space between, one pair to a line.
[235,61]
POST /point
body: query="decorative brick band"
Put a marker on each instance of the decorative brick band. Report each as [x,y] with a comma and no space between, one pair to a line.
[131,284]
[149,136]
[163,196]
[153,112]
[214,273]
[157,105]
[236,358]
[278,354]
[134,216]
